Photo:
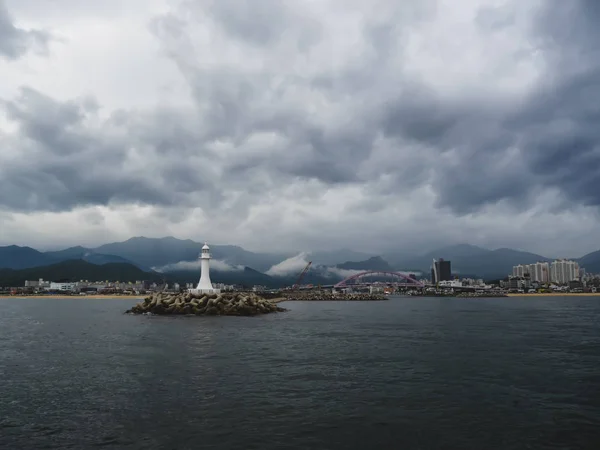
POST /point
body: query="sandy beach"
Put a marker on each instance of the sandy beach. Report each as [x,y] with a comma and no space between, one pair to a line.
[557,294]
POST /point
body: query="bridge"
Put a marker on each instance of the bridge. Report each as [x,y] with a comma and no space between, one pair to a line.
[357,279]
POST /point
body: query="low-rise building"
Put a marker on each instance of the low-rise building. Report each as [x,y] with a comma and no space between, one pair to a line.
[63,287]
[37,284]
[519,283]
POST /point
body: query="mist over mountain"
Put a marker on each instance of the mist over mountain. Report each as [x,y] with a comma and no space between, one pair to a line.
[177,258]
[160,252]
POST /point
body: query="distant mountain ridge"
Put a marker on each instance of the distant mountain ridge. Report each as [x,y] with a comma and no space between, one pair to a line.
[374,263]
[153,253]
[159,252]
[15,257]
[75,270]
[331,258]
[473,260]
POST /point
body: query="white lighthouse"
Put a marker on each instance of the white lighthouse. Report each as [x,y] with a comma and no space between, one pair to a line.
[205,285]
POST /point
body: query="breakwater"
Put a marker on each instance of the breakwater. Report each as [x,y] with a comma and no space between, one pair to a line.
[186,303]
[323,296]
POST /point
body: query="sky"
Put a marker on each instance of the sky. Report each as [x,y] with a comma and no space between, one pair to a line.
[301,124]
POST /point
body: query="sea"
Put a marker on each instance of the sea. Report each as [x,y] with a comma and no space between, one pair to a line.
[408,373]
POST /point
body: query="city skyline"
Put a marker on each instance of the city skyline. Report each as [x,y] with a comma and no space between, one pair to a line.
[400,126]
[558,271]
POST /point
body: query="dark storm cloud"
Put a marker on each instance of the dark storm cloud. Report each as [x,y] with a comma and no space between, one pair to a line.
[472,150]
[419,115]
[558,129]
[549,139]
[561,138]
[14,41]
[58,161]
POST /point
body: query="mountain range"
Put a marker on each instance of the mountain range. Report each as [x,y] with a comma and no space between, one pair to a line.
[75,270]
[176,259]
[470,260]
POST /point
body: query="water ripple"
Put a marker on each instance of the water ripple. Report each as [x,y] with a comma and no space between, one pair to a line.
[408,373]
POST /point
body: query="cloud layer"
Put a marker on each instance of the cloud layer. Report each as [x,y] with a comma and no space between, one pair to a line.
[15,41]
[375,126]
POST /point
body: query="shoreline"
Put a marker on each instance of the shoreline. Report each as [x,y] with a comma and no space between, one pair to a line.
[557,294]
[81,297]
[274,300]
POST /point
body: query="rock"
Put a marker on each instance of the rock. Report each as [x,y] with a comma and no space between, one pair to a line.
[211,311]
[159,309]
[224,304]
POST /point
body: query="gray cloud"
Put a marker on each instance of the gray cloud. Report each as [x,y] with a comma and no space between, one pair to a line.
[62,160]
[333,105]
[261,22]
[14,41]
[501,151]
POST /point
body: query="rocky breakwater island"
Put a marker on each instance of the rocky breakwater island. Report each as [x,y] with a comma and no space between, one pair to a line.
[323,296]
[223,304]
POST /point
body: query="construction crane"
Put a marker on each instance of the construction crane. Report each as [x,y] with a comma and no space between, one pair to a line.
[301,276]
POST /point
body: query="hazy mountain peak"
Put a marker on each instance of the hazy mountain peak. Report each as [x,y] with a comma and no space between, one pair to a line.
[373,263]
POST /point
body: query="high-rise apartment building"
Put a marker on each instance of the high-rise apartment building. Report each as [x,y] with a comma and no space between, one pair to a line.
[563,270]
[538,272]
[520,270]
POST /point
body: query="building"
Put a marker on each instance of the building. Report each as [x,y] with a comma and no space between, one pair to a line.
[472,282]
[538,272]
[63,287]
[441,271]
[519,283]
[223,286]
[37,284]
[451,283]
[519,271]
[562,271]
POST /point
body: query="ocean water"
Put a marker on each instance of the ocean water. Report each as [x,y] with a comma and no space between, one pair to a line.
[409,373]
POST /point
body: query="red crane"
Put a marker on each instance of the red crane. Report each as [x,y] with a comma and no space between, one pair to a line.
[301,276]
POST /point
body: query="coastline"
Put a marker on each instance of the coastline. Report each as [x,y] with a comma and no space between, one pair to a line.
[558,294]
[274,300]
[81,297]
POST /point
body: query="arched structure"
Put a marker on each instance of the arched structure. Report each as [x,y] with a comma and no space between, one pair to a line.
[358,276]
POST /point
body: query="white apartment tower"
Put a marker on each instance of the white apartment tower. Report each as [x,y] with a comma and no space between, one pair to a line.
[563,270]
[538,272]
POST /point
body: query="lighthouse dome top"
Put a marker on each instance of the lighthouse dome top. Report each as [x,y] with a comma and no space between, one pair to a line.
[205,247]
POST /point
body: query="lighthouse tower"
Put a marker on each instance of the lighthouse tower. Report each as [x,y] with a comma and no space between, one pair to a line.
[205,285]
